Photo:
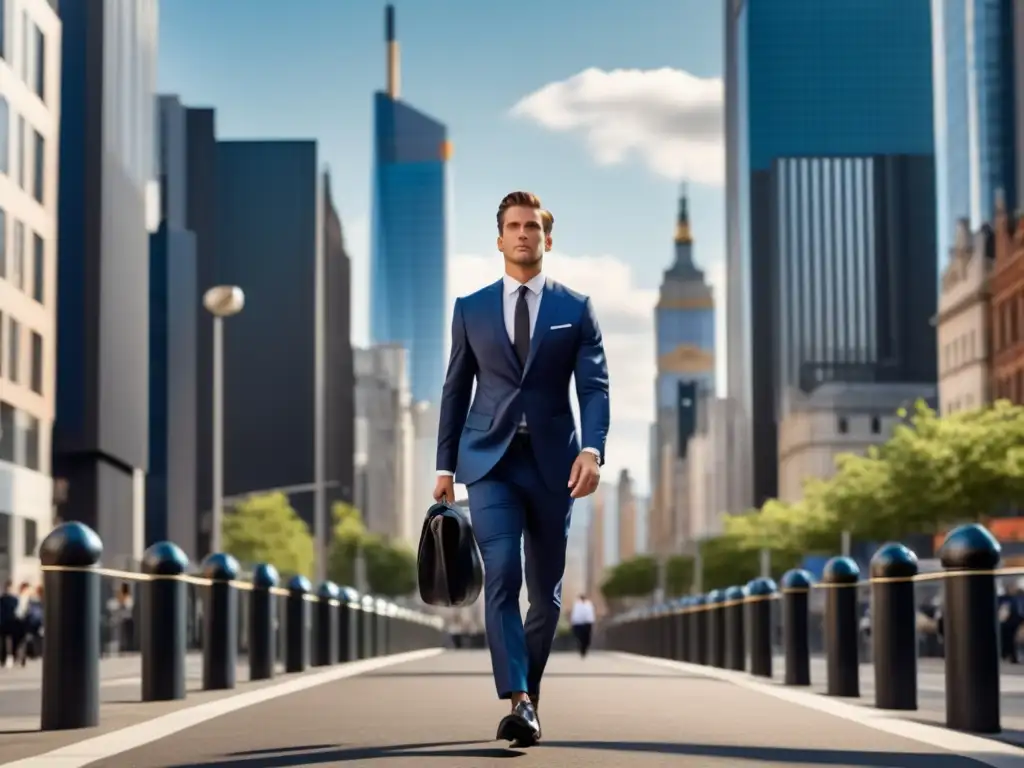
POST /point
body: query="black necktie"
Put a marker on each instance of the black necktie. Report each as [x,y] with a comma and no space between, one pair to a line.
[522,327]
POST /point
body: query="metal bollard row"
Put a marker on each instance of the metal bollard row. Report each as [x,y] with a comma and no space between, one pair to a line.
[321,627]
[733,628]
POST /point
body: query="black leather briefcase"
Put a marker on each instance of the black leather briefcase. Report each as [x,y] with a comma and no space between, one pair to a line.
[449,566]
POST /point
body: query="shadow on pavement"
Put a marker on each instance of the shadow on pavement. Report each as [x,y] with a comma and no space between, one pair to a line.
[596,675]
[290,757]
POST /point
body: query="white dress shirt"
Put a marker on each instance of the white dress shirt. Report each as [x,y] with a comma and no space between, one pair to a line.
[510,295]
[582,613]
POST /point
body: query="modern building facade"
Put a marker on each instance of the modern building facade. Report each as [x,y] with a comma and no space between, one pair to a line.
[30,96]
[107,158]
[174,300]
[385,441]
[269,237]
[1006,283]
[804,78]
[975,114]
[626,516]
[409,241]
[963,323]
[853,252]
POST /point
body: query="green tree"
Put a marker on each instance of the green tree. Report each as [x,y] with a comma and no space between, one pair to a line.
[678,575]
[348,536]
[390,567]
[635,577]
[266,529]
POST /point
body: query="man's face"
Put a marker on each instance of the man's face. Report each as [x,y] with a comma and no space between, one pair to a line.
[522,240]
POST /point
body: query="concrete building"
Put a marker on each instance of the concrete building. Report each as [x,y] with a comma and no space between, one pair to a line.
[596,561]
[799,84]
[837,418]
[30,99]
[963,330]
[709,494]
[174,302]
[626,508]
[1006,283]
[385,442]
[425,418]
[107,158]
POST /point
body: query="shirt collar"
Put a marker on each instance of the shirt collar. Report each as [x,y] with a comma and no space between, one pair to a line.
[535,284]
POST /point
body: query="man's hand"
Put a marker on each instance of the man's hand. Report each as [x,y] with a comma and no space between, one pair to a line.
[585,475]
[444,488]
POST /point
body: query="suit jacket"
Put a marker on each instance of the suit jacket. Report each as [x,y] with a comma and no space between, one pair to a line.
[566,341]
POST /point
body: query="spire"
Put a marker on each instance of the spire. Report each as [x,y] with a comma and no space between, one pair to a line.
[683,220]
[394,76]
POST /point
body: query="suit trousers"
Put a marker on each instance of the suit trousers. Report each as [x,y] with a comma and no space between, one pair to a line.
[514,514]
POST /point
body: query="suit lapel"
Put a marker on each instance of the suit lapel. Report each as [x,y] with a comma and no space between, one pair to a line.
[546,311]
[498,316]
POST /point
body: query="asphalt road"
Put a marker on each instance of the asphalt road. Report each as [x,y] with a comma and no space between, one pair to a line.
[606,710]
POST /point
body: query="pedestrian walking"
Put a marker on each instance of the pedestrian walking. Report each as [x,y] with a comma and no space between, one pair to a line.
[582,620]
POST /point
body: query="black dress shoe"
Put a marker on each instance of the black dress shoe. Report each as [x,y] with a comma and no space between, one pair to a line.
[521,727]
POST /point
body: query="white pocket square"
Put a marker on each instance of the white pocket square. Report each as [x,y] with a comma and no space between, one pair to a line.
[560,327]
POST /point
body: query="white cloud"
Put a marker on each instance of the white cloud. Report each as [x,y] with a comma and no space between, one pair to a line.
[671,119]
[625,313]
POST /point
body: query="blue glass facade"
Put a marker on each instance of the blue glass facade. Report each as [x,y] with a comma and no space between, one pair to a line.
[806,78]
[676,328]
[408,278]
[975,148]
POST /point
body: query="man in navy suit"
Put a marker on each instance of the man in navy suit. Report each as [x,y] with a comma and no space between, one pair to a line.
[516,449]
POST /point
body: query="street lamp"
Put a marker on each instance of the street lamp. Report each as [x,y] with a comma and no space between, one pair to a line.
[220,301]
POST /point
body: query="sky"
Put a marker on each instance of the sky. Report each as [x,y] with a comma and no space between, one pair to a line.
[601,107]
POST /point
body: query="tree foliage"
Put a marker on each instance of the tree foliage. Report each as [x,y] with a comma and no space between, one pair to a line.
[678,575]
[390,566]
[266,529]
[933,472]
[635,577]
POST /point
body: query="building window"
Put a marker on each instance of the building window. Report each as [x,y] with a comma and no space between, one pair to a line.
[3,243]
[31,442]
[25,39]
[876,425]
[36,375]
[40,78]
[18,256]
[21,151]
[842,425]
[3,29]
[13,348]
[38,268]
[39,167]
[5,133]
[30,534]
[6,432]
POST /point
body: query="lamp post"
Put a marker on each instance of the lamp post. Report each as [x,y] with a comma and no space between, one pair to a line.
[220,301]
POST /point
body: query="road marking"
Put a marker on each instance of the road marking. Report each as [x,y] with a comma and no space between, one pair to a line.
[108,745]
[991,752]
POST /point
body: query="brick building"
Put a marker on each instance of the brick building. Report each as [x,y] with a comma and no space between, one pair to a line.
[1007,297]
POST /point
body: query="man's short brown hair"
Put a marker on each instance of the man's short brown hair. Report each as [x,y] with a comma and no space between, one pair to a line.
[526,200]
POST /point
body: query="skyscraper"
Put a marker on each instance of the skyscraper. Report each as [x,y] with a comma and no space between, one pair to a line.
[173,301]
[975,141]
[107,156]
[409,238]
[804,78]
[685,331]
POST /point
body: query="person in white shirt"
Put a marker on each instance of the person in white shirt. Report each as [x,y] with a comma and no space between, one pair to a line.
[582,620]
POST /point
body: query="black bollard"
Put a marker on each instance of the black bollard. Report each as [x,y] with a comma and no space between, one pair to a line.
[894,627]
[325,643]
[685,650]
[220,623]
[164,620]
[735,636]
[842,639]
[678,620]
[296,650]
[698,629]
[71,615]
[262,617]
[716,628]
[348,624]
[369,623]
[760,593]
[796,588]
[971,631]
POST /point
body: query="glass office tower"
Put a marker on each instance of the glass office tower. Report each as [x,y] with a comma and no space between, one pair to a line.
[805,78]
[408,278]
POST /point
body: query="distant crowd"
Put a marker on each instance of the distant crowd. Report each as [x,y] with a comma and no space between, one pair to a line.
[21,624]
